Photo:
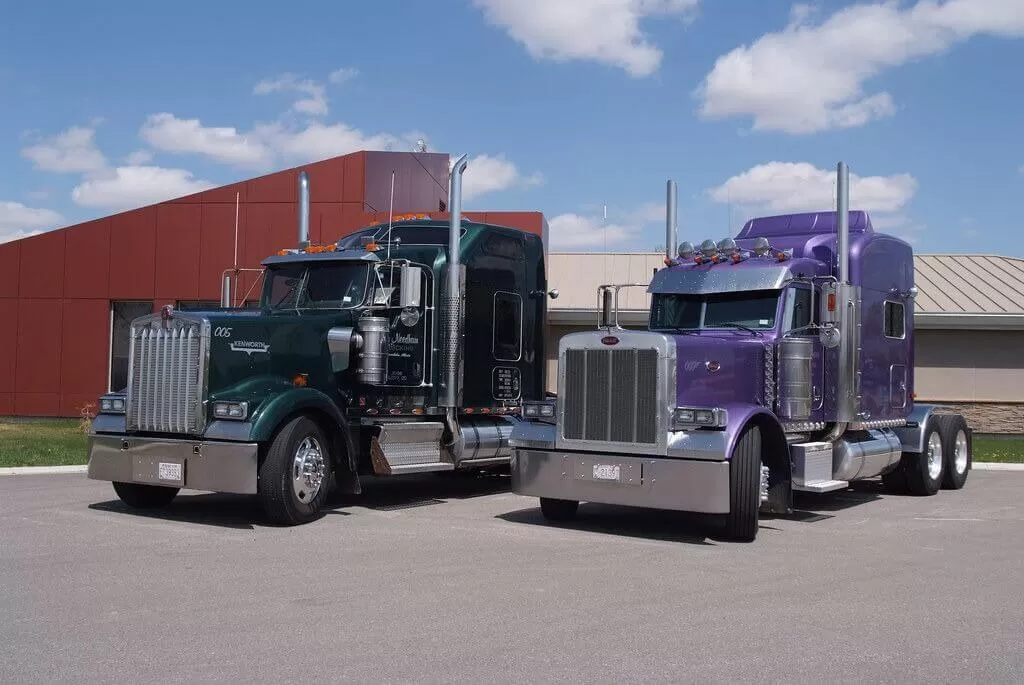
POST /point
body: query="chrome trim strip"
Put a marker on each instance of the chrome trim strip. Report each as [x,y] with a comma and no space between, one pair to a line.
[109,423]
[237,431]
[705,445]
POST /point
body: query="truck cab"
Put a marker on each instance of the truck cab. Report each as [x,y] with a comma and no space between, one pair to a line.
[405,347]
[774,361]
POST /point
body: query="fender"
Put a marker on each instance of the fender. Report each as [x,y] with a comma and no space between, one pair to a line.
[774,448]
[272,413]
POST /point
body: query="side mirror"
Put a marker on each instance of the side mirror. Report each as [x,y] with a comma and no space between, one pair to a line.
[412,286]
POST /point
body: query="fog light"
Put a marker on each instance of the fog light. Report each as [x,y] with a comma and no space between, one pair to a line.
[235,411]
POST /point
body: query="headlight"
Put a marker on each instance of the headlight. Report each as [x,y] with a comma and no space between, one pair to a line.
[697,417]
[112,404]
[539,410]
[234,411]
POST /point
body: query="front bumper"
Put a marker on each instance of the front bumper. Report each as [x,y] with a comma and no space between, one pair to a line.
[193,464]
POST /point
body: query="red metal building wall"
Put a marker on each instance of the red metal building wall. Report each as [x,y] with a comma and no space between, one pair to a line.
[56,288]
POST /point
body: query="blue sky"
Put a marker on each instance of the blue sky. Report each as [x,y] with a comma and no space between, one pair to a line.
[564,106]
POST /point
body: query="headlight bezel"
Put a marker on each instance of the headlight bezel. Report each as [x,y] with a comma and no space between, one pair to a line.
[684,418]
[112,403]
[230,410]
[540,410]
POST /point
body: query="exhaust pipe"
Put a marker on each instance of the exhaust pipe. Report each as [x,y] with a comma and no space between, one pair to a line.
[303,210]
[451,314]
[225,292]
[671,220]
[843,221]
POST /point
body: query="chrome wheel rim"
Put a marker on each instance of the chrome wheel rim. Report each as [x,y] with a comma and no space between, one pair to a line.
[960,453]
[934,456]
[308,469]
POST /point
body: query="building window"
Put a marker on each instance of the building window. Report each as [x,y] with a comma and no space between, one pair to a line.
[895,324]
[197,305]
[508,326]
[121,315]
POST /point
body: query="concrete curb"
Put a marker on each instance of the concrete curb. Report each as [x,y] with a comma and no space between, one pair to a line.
[40,470]
[996,466]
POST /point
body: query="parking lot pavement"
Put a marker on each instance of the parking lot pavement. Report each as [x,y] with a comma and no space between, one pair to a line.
[449,580]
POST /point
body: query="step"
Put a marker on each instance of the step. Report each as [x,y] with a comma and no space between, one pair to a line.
[820,486]
[408,447]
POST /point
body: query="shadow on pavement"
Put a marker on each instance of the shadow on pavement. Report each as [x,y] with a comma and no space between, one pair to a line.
[243,512]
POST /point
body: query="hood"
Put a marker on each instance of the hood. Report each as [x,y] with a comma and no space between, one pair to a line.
[277,347]
[715,371]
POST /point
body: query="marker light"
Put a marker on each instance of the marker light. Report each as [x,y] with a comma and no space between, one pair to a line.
[831,302]
[761,246]
[685,250]
[727,245]
[708,247]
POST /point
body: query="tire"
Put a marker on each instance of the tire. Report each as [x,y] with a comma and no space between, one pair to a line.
[558,509]
[925,470]
[140,496]
[957,451]
[295,476]
[741,523]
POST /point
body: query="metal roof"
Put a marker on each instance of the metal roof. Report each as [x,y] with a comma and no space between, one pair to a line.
[954,291]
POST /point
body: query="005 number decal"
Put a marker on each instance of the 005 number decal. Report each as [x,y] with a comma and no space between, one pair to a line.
[222,332]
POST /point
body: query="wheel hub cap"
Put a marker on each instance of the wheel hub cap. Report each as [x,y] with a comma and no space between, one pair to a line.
[960,453]
[934,456]
[308,469]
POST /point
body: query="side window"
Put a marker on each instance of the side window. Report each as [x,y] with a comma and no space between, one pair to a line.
[508,326]
[895,324]
[799,313]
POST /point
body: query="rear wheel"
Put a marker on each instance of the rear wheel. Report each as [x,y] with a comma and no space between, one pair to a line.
[140,496]
[741,522]
[956,451]
[295,474]
[925,470]
[558,509]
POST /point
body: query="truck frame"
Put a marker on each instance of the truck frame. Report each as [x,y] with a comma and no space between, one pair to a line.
[405,347]
[780,360]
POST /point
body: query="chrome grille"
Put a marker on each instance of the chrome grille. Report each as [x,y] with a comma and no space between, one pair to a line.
[167,376]
[611,395]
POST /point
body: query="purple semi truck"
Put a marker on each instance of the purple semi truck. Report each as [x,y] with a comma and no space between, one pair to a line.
[778,361]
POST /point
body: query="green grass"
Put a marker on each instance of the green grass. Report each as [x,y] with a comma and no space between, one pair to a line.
[55,442]
[1008,450]
[60,442]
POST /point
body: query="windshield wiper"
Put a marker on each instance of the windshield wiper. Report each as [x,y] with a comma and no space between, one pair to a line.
[730,324]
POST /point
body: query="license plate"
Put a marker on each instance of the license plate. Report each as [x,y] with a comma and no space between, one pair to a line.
[169,471]
[606,471]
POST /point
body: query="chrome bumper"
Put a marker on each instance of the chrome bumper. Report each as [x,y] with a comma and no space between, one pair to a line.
[192,464]
[657,483]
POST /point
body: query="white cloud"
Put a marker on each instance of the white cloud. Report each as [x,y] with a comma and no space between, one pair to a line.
[485,174]
[139,157]
[320,141]
[314,102]
[71,151]
[343,74]
[18,221]
[786,187]
[135,186]
[811,77]
[574,231]
[605,31]
[226,144]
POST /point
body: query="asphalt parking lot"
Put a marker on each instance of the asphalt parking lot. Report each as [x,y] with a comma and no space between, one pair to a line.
[433,580]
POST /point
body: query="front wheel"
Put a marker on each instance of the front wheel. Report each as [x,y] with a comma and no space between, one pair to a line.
[140,496]
[294,476]
[741,522]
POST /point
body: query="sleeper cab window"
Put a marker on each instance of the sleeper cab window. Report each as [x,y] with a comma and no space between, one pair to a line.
[895,324]
[508,326]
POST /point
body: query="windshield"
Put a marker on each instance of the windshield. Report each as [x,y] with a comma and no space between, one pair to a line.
[328,285]
[752,309]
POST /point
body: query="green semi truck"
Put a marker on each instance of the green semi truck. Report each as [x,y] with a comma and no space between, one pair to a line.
[405,347]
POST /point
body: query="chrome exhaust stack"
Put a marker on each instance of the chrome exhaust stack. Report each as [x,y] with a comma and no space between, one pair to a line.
[452,312]
[671,220]
[303,210]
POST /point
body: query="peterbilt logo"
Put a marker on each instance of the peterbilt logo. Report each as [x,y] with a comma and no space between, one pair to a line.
[610,340]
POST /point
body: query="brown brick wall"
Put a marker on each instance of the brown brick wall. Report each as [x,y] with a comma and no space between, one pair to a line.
[990,417]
